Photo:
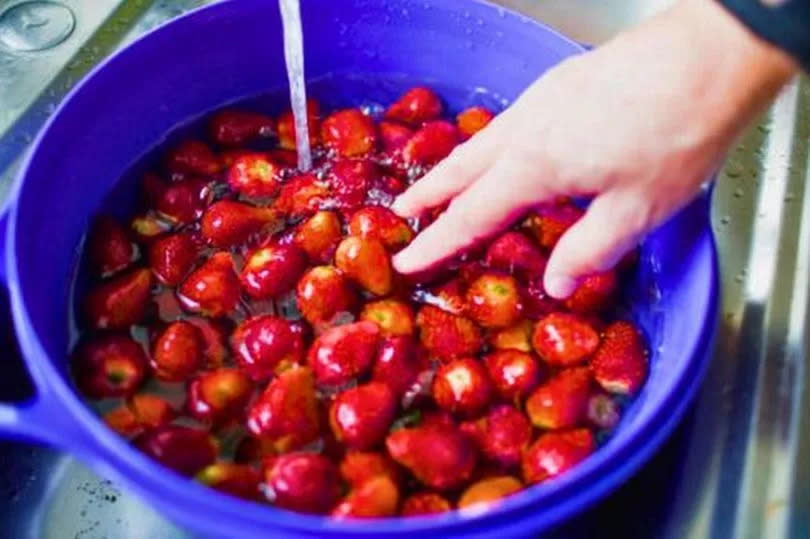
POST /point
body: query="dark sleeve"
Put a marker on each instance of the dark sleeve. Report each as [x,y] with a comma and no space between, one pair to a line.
[785,23]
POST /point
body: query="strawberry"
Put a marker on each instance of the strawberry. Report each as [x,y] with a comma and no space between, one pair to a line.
[365,261]
[172,257]
[302,196]
[563,340]
[462,386]
[416,106]
[556,452]
[109,247]
[440,457]
[219,395]
[286,126]
[536,302]
[213,335]
[119,302]
[594,293]
[514,374]
[147,227]
[447,335]
[397,364]
[550,222]
[177,352]
[561,402]
[472,120]
[448,296]
[516,254]
[349,132]
[319,236]
[184,201]
[620,363]
[287,412]
[109,366]
[228,223]
[493,300]
[360,416]
[501,435]
[489,491]
[342,353]
[193,157]
[139,412]
[394,317]
[383,224]
[378,497]
[303,482]
[254,175]
[424,503]
[272,270]
[393,137]
[264,344]
[603,411]
[357,467]
[322,292]
[233,127]
[212,289]
[229,157]
[517,337]
[431,143]
[237,480]
[183,449]
[350,180]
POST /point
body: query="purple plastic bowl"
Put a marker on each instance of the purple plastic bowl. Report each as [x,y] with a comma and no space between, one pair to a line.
[232,50]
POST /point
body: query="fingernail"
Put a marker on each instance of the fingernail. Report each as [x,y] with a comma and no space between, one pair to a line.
[560,286]
[400,261]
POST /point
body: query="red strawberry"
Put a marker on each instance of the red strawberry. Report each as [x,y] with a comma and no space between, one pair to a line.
[378,497]
[383,224]
[233,127]
[139,412]
[349,132]
[514,253]
[303,482]
[501,435]
[172,257]
[393,137]
[287,412]
[185,200]
[254,175]
[447,335]
[416,106]
[319,236]
[513,373]
[120,302]
[147,227]
[302,196]
[228,223]
[493,300]
[272,270]
[323,292]
[488,492]
[440,457]
[286,126]
[265,343]
[360,416]
[462,386]
[219,395]
[237,480]
[556,452]
[229,157]
[342,353]
[517,337]
[424,503]
[397,364]
[603,411]
[551,221]
[193,157]
[365,261]
[562,402]
[182,449]
[177,352]
[563,340]
[620,363]
[109,248]
[536,302]
[472,120]
[109,366]
[350,180]
[394,317]
[357,467]
[214,340]
[431,143]
[213,288]
[594,293]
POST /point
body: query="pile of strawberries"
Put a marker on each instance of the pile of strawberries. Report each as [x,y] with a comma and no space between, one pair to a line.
[247,328]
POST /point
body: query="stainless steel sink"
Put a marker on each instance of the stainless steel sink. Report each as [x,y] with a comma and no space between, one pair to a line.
[736,467]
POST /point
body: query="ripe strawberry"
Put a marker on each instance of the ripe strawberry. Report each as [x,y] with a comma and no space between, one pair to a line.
[214,335]
[212,289]
[365,261]
[416,106]
[393,137]
[514,374]
[287,412]
[493,300]
[233,127]
[462,386]
[357,467]
[488,492]
[147,227]
[323,292]
[378,497]
[501,435]
[254,175]
[431,143]
[424,503]
[556,452]
[397,364]
[237,480]
[563,340]
[286,126]
[228,223]
[561,402]
[360,416]
[109,366]
[344,352]
[183,449]
[536,302]
[183,201]
[551,221]
[319,236]
[264,344]
[303,482]
[472,120]
[514,253]
[119,302]
[139,412]
[302,196]
[109,248]
[350,181]
[517,337]
[447,335]
[177,352]
[620,363]
[172,257]
[349,132]
[595,293]
[193,157]
[219,395]
[272,270]
[394,317]
[383,224]
[603,411]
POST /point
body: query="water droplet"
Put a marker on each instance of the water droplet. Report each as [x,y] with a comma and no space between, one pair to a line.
[764,128]
[501,12]
[738,193]
[789,197]
[739,278]
[479,22]
[404,12]
[725,220]
[467,14]
[36,25]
